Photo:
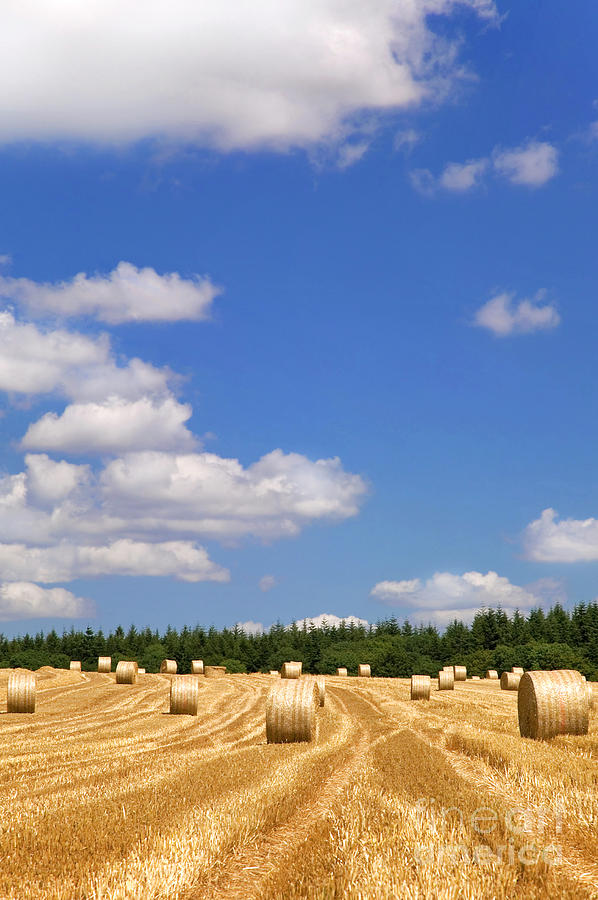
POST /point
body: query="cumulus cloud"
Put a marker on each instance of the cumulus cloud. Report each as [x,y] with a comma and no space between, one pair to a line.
[503,317]
[24,600]
[143,513]
[569,540]
[532,164]
[251,627]
[445,596]
[37,361]
[463,177]
[282,75]
[113,426]
[127,294]
[330,620]
[202,493]
[267,582]
[66,561]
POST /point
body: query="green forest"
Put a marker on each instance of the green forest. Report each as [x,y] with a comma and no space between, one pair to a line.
[557,639]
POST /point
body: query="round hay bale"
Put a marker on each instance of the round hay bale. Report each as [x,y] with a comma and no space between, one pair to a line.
[591,699]
[517,670]
[126,672]
[140,671]
[364,670]
[492,674]
[75,665]
[509,681]
[475,677]
[104,663]
[291,709]
[420,687]
[197,666]
[214,671]
[321,682]
[460,673]
[168,667]
[446,681]
[448,669]
[184,695]
[21,692]
[291,670]
[274,672]
[342,672]
[551,703]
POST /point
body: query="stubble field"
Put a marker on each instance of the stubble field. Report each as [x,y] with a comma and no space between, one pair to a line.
[105,795]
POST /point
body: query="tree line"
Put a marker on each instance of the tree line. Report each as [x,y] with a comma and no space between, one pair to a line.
[557,639]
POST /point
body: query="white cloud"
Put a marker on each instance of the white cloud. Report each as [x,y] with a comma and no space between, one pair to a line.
[279,74]
[406,139]
[463,177]
[202,493]
[143,513]
[331,620]
[5,259]
[127,294]
[66,561]
[251,627]
[33,361]
[568,540]
[349,154]
[532,164]
[445,596]
[423,181]
[23,600]
[113,426]
[503,317]
[267,582]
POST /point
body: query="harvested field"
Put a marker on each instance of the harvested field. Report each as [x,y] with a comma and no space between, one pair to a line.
[104,794]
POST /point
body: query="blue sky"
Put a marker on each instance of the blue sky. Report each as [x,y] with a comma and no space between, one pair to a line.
[298,310]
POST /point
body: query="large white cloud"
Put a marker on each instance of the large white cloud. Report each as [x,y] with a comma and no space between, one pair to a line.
[568,540]
[284,73]
[38,361]
[202,493]
[66,560]
[113,426]
[503,317]
[445,596]
[24,600]
[127,294]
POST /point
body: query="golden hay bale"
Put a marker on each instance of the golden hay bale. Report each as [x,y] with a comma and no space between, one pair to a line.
[291,670]
[104,663]
[517,670]
[140,671]
[446,681]
[274,672]
[342,672]
[475,677]
[291,709]
[364,670]
[551,703]
[126,672]
[214,671]
[509,681]
[184,695]
[447,668]
[420,687]
[168,667]
[75,665]
[460,673]
[197,666]
[21,692]
[321,682]
[492,673]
